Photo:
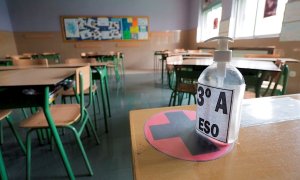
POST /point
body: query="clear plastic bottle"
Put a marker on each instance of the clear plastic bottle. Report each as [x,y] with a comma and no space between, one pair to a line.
[218,77]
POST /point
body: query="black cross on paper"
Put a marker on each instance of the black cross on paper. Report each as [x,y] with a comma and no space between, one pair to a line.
[181,126]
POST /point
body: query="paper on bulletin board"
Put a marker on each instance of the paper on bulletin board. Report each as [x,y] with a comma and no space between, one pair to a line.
[134,29]
[71,28]
[106,35]
[143,35]
[126,35]
[103,22]
[134,22]
[129,20]
[142,22]
[85,34]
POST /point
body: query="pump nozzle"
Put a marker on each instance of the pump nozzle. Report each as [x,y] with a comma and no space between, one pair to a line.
[223,42]
[221,56]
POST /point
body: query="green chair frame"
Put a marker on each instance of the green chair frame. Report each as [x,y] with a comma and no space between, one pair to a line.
[52,57]
[3,173]
[116,61]
[186,79]
[275,79]
[93,97]
[82,122]
[105,95]
[171,75]
[15,132]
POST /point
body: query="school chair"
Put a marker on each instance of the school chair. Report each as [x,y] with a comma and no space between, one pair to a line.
[74,117]
[93,95]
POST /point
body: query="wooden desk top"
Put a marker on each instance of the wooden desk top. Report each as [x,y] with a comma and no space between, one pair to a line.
[268,59]
[34,77]
[257,59]
[269,151]
[185,53]
[241,64]
[73,65]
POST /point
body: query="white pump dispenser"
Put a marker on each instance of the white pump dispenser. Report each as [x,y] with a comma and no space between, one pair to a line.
[221,55]
[220,92]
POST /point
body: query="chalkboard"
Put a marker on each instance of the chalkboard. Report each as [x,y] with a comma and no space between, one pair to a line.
[96,28]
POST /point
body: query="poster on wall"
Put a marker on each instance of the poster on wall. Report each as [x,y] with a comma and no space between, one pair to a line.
[270,8]
[206,3]
[105,28]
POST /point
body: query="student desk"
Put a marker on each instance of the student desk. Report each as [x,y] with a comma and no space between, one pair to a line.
[73,65]
[247,68]
[46,82]
[117,58]
[243,63]
[264,150]
[165,54]
[98,74]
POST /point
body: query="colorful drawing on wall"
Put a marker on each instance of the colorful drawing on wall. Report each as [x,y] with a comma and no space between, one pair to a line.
[105,28]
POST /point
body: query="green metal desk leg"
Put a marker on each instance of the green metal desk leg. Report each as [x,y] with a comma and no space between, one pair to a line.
[116,68]
[105,80]
[56,135]
[104,100]
[162,71]
[2,167]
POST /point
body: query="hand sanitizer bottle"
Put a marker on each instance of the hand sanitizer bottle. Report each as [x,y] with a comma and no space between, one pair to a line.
[220,93]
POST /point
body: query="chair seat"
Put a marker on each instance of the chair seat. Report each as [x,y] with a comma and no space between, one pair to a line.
[63,115]
[4,113]
[70,91]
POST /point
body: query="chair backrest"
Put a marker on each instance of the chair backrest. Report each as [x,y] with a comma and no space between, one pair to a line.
[281,79]
[79,61]
[171,71]
[86,77]
[179,50]
[194,51]
[29,62]
[186,79]
[174,59]
[83,54]
[91,53]
[28,54]
[18,57]
[83,79]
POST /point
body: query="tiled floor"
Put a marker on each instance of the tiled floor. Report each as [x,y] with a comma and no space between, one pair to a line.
[112,158]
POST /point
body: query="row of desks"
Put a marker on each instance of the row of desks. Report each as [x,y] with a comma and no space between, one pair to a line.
[205,59]
[45,80]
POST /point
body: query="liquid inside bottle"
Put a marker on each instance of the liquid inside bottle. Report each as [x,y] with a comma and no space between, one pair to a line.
[233,80]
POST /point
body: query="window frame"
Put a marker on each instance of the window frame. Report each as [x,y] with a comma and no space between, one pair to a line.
[253,34]
[202,20]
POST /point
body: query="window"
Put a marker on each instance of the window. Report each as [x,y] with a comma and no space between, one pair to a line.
[209,22]
[259,18]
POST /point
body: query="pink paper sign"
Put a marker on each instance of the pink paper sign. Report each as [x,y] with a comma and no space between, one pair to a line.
[173,133]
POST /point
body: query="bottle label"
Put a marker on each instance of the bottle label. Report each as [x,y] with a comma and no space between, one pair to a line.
[213,111]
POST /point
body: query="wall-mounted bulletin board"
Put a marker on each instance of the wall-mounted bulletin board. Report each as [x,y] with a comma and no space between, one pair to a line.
[95,28]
